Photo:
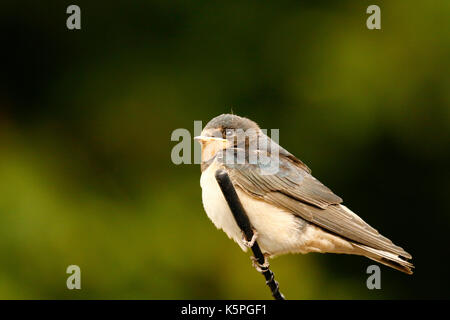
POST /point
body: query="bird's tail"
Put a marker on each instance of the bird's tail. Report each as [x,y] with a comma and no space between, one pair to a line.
[385,257]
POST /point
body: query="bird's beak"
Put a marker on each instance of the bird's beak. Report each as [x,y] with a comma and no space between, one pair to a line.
[204,138]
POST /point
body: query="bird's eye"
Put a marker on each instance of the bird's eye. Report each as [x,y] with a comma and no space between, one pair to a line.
[228,132]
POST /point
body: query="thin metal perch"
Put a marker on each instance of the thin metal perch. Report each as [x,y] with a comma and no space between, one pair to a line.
[244,224]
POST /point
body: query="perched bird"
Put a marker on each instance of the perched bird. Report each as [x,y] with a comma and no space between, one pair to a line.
[289,210]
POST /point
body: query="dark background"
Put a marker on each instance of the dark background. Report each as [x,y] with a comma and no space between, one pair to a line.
[86,118]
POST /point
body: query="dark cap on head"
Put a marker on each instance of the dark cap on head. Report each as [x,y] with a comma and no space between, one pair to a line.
[231,121]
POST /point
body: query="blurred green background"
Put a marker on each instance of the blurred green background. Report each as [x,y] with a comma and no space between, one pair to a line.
[86,117]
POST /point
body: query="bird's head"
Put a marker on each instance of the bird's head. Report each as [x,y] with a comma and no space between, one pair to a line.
[225,131]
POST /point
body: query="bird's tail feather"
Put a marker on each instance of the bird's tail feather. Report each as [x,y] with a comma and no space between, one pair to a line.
[385,257]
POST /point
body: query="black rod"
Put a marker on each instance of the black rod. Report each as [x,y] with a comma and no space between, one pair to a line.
[244,224]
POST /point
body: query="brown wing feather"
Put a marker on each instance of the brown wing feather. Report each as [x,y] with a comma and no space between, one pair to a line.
[296,190]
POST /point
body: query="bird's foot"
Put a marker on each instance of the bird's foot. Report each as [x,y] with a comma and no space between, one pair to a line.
[261,267]
[250,243]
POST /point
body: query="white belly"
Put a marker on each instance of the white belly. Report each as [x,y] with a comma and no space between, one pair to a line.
[278,231]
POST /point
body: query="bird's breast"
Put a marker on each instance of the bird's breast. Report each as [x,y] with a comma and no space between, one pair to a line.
[279,231]
[216,206]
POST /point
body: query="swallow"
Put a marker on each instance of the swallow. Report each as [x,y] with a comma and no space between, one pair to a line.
[290,211]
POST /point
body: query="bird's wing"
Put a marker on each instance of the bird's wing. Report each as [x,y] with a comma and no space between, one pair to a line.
[292,188]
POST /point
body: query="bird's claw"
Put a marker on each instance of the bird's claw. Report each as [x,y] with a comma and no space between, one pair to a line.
[261,267]
[250,243]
